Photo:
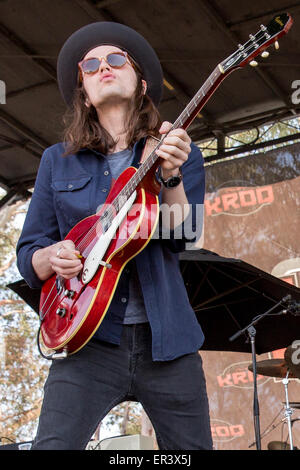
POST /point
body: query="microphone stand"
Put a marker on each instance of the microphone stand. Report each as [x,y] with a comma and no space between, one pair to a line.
[288,410]
[251,331]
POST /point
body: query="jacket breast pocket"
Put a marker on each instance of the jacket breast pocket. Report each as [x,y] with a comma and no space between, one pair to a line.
[72,199]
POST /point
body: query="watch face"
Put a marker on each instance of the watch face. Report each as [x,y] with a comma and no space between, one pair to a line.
[174,181]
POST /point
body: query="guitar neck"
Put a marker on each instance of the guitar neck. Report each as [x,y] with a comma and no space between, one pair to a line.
[201,97]
[257,43]
[184,120]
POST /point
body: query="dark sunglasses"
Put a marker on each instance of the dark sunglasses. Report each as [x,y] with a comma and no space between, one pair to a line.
[113,59]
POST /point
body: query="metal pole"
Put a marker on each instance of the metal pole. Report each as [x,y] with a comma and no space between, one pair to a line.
[288,411]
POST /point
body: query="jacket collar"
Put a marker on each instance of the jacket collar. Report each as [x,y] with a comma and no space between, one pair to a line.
[137,151]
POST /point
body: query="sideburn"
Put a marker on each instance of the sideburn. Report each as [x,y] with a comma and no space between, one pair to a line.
[135,110]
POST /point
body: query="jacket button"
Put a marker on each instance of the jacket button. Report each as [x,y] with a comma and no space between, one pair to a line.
[123,300]
[104,190]
[70,186]
[106,172]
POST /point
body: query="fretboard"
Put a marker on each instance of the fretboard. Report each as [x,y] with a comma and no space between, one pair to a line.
[183,121]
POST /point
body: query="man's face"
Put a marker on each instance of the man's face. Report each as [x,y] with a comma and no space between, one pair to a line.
[109,85]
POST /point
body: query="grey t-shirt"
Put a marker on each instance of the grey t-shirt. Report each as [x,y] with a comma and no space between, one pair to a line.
[135,310]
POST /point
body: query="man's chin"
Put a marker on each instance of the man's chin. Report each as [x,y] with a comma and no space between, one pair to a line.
[111,99]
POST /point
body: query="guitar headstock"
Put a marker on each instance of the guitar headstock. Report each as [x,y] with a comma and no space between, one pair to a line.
[257,43]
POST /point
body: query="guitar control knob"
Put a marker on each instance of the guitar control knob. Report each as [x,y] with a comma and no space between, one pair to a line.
[61,312]
[253,63]
[69,293]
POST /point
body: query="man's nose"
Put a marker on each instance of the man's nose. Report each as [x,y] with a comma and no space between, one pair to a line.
[104,65]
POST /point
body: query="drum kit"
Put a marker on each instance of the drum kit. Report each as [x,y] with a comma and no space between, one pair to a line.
[285,369]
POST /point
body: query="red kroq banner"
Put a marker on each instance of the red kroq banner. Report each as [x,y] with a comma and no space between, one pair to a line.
[252,212]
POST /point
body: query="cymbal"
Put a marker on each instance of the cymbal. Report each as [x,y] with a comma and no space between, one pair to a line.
[278,445]
[291,357]
[273,368]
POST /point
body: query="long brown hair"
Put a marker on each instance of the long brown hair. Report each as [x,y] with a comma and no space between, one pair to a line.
[83,129]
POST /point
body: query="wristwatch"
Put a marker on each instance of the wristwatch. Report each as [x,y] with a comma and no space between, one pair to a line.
[171,182]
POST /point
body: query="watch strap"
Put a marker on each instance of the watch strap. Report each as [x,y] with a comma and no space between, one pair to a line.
[172,181]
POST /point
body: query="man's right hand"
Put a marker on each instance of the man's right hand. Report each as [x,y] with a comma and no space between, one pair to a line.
[64,260]
[60,258]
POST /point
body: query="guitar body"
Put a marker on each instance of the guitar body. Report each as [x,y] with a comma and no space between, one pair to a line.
[73,314]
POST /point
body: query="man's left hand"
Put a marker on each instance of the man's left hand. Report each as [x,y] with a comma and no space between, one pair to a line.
[174,150]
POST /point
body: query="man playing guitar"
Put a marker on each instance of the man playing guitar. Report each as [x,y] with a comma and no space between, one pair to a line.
[146,347]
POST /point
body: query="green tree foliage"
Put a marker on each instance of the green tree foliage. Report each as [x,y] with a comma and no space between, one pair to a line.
[266,133]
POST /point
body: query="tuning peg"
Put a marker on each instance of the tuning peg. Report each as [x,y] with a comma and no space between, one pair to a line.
[253,63]
[265,54]
[276,45]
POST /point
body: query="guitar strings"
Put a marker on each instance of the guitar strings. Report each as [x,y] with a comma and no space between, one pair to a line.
[128,189]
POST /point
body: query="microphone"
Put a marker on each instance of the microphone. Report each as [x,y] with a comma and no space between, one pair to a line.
[286,298]
[294,307]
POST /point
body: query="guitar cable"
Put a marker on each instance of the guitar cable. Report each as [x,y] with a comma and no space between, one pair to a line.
[49,358]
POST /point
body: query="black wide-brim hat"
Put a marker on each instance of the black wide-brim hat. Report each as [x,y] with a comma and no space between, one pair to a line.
[115,34]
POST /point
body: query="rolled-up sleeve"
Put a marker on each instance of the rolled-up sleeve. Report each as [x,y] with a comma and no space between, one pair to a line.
[40,228]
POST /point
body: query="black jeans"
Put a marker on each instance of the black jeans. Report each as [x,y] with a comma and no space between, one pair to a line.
[83,388]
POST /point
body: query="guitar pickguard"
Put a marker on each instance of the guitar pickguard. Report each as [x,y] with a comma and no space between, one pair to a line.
[96,256]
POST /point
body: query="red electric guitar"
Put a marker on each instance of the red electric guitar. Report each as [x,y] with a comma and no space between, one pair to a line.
[72,310]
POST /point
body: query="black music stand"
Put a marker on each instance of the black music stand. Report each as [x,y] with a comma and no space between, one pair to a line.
[233,302]
[227,294]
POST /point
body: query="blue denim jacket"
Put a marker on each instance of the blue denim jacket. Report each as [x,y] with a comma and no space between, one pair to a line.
[70,188]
